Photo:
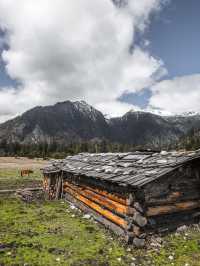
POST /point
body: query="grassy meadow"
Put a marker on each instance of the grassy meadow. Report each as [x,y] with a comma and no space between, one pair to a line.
[10,172]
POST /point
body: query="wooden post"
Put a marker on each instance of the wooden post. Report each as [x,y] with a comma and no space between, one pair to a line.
[58,187]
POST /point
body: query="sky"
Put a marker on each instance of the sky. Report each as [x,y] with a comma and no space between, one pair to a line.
[116,55]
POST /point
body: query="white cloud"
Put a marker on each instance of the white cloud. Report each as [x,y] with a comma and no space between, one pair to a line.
[1,43]
[76,50]
[115,108]
[181,94]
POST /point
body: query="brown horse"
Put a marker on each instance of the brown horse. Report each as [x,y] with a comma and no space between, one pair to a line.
[26,172]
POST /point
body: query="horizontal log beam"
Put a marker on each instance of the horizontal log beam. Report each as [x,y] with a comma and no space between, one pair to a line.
[108,203]
[106,213]
[174,197]
[8,191]
[99,218]
[177,207]
[124,201]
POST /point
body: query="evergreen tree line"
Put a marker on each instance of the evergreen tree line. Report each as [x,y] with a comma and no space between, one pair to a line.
[56,150]
[191,141]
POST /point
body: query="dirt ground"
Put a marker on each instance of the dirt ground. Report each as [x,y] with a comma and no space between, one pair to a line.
[21,162]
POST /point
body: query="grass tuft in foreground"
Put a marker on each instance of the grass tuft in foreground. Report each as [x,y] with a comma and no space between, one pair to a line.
[180,249]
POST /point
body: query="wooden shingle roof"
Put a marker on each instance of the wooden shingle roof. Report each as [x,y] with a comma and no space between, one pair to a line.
[135,168]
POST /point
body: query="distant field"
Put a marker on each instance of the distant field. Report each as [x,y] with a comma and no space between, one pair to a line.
[21,163]
[10,168]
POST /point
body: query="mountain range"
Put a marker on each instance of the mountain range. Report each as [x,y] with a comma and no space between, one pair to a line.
[68,121]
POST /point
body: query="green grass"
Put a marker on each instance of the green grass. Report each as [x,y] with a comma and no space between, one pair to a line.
[50,233]
[47,234]
[11,179]
[15,173]
[184,248]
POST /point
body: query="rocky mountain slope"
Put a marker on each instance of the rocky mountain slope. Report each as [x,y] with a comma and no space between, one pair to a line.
[77,121]
[142,128]
[63,122]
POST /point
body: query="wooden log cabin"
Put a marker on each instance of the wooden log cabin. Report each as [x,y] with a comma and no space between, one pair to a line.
[133,194]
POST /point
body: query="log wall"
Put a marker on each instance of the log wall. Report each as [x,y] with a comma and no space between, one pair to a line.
[174,199]
[116,212]
[183,184]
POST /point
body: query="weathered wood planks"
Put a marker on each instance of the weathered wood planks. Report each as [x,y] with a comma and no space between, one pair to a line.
[176,207]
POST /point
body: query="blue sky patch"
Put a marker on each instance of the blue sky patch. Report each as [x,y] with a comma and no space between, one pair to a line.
[140,98]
